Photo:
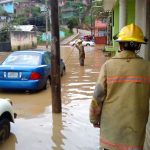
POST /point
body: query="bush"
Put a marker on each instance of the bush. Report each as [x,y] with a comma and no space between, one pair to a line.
[72,22]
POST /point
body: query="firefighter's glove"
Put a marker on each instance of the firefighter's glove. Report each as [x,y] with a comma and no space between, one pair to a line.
[95,113]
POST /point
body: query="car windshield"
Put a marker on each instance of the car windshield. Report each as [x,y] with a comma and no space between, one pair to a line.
[22,59]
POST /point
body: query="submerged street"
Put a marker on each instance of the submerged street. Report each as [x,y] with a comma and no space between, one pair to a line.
[37,128]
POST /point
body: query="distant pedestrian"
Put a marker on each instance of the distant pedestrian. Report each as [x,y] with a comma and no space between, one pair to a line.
[80,47]
[120,103]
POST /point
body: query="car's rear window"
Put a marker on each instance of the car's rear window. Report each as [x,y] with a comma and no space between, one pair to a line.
[22,59]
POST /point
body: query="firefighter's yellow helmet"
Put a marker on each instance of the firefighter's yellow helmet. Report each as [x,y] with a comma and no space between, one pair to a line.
[131,33]
[79,41]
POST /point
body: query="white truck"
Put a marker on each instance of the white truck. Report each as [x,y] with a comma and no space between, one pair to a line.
[6,116]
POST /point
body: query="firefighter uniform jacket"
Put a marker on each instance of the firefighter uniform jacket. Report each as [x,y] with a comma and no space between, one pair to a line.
[121,102]
[80,47]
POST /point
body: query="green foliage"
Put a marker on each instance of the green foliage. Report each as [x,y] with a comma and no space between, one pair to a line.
[87,20]
[3,12]
[19,20]
[72,22]
[40,41]
[75,5]
[30,15]
[97,10]
[35,11]
[67,32]
[77,9]
[4,34]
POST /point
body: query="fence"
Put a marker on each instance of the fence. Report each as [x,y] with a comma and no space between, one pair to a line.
[5,46]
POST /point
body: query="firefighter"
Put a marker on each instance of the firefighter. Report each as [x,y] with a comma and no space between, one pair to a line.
[80,47]
[120,101]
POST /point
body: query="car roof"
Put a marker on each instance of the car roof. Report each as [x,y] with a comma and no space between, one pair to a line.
[40,51]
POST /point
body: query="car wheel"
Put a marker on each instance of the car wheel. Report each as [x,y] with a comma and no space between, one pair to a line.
[47,84]
[4,129]
[87,44]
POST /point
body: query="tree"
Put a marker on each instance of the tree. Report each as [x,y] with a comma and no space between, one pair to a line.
[4,34]
[31,16]
[72,22]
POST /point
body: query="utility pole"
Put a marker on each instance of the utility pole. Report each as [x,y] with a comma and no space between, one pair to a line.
[91,17]
[55,50]
[91,23]
[46,19]
[49,14]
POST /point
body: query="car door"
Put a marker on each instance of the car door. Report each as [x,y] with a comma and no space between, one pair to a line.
[47,62]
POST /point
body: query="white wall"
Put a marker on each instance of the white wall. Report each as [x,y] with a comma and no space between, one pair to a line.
[147,54]
[140,20]
[23,40]
[122,14]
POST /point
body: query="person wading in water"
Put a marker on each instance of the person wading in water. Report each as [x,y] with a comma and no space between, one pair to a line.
[80,47]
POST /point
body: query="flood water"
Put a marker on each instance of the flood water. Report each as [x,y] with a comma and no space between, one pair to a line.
[37,128]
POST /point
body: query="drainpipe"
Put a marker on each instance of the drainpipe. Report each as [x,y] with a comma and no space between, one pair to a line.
[122,13]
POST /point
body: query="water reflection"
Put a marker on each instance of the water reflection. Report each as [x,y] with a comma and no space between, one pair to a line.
[10,144]
[57,135]
[28,105]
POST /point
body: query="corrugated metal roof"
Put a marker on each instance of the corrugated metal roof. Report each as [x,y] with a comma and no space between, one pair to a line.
[25,27]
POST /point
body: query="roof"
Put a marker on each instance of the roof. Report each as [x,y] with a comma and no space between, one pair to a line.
[100,25]
[5,1]
[25,28]
[40,51]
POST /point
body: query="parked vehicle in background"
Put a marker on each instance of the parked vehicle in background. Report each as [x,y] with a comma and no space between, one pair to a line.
[72,43]
[27,70]
[84,43]
[88,37]
[88,43]
[6,116]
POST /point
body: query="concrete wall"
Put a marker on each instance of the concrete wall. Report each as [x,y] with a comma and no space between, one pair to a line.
[23,40]
[147,47]
[140,20]
[116,22]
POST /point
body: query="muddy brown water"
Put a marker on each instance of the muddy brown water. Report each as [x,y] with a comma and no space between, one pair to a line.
[37,128]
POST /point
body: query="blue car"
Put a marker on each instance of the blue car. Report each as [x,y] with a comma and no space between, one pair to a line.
[27,70]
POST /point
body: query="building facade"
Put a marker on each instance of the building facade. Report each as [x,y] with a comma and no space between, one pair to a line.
[7,5]
[130,11]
